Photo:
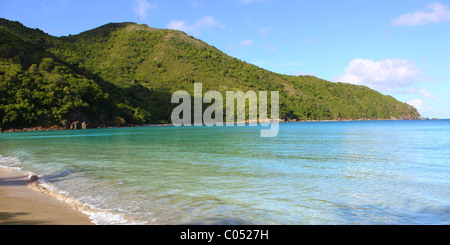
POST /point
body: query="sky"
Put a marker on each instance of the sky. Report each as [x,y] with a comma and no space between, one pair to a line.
[399,48]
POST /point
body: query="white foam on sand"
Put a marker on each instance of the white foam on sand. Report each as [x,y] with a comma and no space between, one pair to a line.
[10,162]
[97,216]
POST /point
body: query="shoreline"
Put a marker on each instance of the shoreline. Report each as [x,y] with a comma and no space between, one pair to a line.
[59,128]
[25,203]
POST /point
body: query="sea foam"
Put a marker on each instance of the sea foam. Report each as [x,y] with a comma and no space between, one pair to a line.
[96,215]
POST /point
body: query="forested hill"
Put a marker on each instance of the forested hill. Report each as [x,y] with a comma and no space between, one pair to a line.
[124,73]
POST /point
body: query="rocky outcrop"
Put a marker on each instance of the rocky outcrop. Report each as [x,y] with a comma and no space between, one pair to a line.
[410,117]
[78,125]
[75,125]
[32,178]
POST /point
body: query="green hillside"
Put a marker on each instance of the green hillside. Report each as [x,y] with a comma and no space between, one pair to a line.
[124,73]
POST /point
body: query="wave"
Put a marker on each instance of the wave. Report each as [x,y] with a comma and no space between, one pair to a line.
[96,215]
[10,162]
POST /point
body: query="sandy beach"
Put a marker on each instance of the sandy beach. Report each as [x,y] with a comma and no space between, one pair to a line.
[21,205]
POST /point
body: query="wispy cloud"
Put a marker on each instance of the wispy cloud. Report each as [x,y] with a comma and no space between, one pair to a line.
[242,44]
[250,1]
[45,7]
[310,41]
[270,47]
[204,23]
[422,108]
[245,42]
[265,31]
[412,90]
[386,74]
[427,94]
[439,13]
[197,4]
[418,104]
[141,8]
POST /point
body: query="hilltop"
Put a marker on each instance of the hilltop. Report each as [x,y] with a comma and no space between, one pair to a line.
[124,73]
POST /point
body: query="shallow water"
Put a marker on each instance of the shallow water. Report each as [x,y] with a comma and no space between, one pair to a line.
[359,172]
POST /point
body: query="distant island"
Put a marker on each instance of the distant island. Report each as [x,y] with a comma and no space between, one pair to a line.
[123,74]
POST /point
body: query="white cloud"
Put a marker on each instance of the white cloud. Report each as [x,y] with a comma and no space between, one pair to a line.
[206,22]
[241,44]
[418,104]
[307,41]
[177,25]
[245,42]
[141,8]
[439,13]
[197,4]
[427,94]
[385,74]
[265,31]
[422,108]
[45,7]
[412,90]
[249,1]
[310,41]
[270,47]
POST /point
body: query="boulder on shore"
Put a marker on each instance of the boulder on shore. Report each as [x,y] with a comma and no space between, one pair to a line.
[33,178]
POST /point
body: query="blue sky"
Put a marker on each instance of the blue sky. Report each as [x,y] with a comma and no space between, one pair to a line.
[400,48]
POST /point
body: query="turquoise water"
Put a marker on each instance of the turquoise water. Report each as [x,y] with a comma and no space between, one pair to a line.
[361,172]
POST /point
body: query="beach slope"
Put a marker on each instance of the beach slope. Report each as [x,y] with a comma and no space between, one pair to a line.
[20,205]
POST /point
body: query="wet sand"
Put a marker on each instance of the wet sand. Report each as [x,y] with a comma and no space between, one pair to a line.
[21,205]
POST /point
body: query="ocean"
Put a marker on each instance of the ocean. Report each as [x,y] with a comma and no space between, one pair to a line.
[312,173]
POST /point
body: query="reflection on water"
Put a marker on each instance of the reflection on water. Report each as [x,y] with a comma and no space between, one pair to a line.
[381,172]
